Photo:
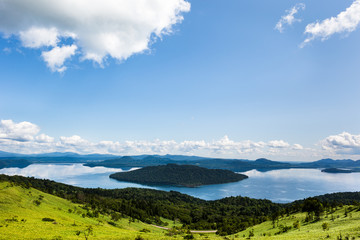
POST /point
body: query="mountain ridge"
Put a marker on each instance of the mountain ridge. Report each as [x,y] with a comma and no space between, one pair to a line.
[114,161]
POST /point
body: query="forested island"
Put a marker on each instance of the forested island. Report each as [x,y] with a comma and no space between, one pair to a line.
[178,175]
[339,170]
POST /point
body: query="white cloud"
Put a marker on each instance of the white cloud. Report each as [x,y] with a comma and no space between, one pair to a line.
[73,140]
[297,147]
[343,143]
[23,131]
[278,144]
[289,18]
[43,138]
[99,28]
[56,57]
[39,37]
[345,22]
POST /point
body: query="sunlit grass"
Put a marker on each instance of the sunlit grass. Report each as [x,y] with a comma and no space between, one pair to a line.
[339,225]
[22,212]
[22,218]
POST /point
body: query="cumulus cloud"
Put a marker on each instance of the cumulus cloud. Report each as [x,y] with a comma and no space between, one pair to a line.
[73,140]
[98,29]
[345,22]
[39,37]
[23,131]
[289,18]
[56,57]
[297,147]
[343,143]
[278,144]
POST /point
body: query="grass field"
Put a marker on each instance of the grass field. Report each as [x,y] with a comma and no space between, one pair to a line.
[337,225]
[21,217]
[31,214]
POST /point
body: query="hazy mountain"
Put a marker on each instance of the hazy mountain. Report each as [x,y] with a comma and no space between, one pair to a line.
[20,163]
[237,165]
[330,163]
[64,157]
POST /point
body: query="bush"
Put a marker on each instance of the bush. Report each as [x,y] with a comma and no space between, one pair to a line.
[48,219]
[112,223]
[139,238]
[296,225]
[189,236]
[325,226]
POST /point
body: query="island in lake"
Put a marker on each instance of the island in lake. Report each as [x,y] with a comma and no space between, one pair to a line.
[339,170]
[178,175]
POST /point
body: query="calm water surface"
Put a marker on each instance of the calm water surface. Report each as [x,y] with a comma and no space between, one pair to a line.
[279,185]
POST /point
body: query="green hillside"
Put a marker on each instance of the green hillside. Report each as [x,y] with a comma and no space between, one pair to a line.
[178,175]
[341,223]
[227,216]
[28,213]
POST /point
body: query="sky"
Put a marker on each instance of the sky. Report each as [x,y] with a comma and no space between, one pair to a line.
[234,79]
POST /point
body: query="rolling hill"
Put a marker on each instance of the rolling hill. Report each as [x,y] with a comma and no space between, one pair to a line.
[33,213]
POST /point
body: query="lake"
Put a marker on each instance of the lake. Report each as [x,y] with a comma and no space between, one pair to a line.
[280,186]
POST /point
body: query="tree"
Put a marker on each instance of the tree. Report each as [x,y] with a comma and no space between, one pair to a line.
[313,205]
[325,226]
[296,225]
[88,231]
[251,233]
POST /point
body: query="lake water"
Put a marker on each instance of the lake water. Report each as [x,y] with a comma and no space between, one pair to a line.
[278,186]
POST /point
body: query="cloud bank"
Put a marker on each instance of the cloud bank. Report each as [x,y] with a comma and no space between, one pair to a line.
[289,18]
[95,30]
[345,22]
[26,137]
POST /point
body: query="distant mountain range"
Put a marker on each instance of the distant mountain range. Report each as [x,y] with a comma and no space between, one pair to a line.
[113,161]
[64,157]
[237,165]
[57,154]
[20,163]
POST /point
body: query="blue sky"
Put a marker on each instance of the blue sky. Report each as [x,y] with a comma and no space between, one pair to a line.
[222,82]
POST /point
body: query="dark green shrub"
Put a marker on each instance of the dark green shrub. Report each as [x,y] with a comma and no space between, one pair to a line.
[45,219]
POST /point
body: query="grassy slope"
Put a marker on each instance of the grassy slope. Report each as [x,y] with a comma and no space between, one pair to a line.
[18,203]
[346,226]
